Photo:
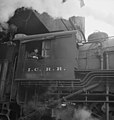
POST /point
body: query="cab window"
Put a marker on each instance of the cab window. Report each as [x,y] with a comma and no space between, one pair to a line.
[38,49]
[46,48]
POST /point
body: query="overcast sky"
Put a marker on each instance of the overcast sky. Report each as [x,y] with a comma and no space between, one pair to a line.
[99,15]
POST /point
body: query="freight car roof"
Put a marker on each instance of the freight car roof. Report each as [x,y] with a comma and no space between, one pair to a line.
[45,36]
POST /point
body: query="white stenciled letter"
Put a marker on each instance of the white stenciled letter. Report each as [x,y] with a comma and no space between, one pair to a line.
[35,69]
[59,68]
[48,69]
[29,69]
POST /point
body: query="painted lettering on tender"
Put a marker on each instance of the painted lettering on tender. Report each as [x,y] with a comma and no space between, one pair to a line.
[47,69]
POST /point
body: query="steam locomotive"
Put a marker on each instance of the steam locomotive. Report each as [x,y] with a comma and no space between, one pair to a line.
[65,71]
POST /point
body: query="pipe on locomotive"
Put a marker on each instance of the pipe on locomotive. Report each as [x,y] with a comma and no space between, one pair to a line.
[72,94]
[41,37]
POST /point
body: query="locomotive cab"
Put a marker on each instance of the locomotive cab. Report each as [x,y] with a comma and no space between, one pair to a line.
[54,59]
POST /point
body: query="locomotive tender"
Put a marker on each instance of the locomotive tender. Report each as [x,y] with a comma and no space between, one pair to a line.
[65,72]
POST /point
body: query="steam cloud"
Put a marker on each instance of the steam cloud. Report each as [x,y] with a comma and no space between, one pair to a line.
[72,113]
[55,8]
[83,114]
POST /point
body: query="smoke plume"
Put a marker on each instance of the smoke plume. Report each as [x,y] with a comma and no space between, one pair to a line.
[55,8]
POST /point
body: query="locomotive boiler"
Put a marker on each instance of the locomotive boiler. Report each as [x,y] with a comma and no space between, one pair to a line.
[41,72]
